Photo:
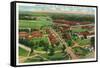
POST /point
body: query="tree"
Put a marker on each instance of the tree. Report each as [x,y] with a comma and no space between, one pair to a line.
[69,42]
[31,45]
[46,48]
[93,42]
[63,48]
[74,36]
[51,50]
[57,43]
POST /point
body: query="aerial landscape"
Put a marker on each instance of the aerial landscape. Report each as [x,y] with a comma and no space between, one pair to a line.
[54,33]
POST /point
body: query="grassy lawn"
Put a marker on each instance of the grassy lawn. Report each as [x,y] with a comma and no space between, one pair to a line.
[46,57]
[83,42]
[34,59]
[35,24]
[80,51]
[79,30]
[56,56]
[40,41]
[22,52]
[58,48]
[40,48]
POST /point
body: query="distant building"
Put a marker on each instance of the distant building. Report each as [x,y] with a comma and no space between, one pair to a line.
[87,27]
[62,21]
[86,34]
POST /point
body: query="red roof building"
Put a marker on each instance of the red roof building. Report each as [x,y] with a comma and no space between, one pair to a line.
[23,34]
[52,38]
[84,33]
[36,34]
[87,27]
[61,21]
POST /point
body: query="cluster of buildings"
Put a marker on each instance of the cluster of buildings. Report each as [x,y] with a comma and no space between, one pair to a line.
[70,25]
[33,34]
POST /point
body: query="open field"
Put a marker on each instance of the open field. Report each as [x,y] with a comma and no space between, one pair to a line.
[23,52]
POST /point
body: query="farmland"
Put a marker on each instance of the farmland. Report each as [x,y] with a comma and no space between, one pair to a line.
[55,36]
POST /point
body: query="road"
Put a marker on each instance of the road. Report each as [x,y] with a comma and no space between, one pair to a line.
[68,49]
[24,47]
[23,59]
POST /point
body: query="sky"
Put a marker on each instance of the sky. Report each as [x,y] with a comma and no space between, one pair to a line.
[55,8]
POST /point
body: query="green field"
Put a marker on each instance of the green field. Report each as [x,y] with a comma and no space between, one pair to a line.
[22,52]
[81,51]
[46,57]
[83,42]
[79,30]
[35,24]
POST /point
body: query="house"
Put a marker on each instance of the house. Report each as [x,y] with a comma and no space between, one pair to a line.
[36,34]
[52,38]
[61,21]
[87,27]
[23,34]
[92,34]
[86,34]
